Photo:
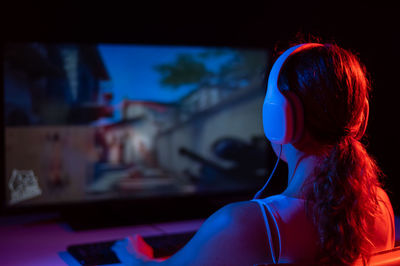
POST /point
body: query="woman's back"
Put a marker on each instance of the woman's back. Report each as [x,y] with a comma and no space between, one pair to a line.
[294,237]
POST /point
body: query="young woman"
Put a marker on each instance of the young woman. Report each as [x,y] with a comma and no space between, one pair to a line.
[334,210]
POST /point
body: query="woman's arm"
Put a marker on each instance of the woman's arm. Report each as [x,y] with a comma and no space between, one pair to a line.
[234,235]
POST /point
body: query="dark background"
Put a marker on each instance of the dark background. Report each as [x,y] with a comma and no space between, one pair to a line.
[370,30]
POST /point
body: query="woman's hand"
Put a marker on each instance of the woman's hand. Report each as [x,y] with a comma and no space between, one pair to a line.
[133,250]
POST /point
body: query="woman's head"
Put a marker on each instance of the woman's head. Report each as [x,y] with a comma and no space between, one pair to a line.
[332,87]
[341,193]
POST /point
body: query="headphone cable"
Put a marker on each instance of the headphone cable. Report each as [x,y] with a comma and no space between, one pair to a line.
[270,176]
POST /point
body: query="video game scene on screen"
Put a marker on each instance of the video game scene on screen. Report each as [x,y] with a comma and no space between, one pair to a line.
[100,121]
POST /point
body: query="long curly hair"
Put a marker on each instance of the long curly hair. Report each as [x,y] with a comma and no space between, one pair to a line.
[341,195]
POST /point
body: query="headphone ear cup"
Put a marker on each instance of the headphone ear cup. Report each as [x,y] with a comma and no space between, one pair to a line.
[278,120]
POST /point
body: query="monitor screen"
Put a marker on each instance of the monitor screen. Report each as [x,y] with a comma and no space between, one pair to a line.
[89,122]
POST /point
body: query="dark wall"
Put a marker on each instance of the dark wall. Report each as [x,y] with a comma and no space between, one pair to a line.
[370,30]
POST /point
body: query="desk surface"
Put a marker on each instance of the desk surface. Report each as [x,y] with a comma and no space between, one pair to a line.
[41,241]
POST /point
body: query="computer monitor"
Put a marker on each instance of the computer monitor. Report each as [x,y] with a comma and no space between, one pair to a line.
[87,123]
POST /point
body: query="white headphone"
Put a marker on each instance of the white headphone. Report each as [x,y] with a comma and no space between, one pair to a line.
[283,115]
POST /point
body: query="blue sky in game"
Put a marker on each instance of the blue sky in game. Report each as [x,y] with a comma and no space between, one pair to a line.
[131,68]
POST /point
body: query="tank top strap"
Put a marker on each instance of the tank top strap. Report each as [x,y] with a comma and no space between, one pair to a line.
[271,224]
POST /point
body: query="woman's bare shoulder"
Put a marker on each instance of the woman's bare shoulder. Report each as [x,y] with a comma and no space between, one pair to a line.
[233,234]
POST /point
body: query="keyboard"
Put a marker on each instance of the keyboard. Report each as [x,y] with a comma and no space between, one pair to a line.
[100,253]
